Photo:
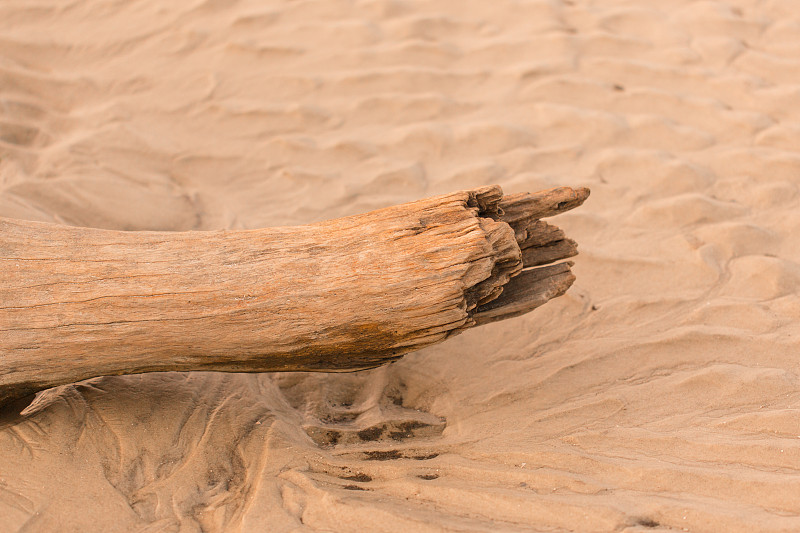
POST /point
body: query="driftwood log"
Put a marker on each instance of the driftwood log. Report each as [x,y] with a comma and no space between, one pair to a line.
[341,295]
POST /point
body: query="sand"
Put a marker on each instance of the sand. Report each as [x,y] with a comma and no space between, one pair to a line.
[660,393]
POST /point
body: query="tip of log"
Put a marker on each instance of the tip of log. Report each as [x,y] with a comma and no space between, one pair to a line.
[541,273]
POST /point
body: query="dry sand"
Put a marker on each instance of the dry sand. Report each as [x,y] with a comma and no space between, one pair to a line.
[661,393]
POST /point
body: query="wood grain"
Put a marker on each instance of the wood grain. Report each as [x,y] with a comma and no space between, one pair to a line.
[341,295]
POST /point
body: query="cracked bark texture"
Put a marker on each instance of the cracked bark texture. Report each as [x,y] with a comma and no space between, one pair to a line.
[341,295]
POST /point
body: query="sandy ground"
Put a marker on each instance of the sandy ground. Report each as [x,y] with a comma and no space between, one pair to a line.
[661,393]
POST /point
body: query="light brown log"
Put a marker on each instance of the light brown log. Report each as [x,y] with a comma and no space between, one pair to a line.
[341,295]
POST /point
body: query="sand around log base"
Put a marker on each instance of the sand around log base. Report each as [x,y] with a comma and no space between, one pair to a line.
[341,295]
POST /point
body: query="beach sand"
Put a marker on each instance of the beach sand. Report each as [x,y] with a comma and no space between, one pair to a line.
[661,393]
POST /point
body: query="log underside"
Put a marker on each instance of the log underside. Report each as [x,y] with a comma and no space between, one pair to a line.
[342,295]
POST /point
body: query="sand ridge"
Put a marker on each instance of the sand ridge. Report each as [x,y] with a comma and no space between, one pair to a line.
[660,393]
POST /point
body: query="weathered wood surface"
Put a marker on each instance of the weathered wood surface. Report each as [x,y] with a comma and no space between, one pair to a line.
[341,295]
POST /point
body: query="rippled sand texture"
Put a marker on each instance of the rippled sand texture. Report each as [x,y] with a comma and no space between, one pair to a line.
[661,393]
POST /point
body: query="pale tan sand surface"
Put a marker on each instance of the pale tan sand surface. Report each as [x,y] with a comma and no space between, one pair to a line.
[660,393]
